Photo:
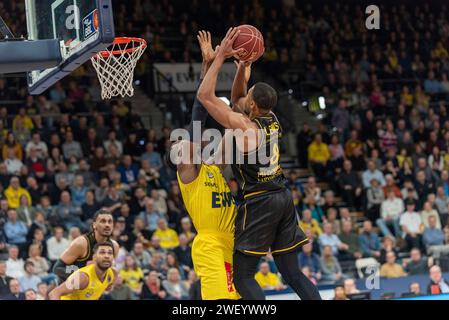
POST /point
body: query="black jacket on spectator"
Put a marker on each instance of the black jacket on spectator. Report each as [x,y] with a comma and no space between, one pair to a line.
[184,255]
[10,296]
[146,294]
[434,288]
[4,286]
[415,268]
[89,211]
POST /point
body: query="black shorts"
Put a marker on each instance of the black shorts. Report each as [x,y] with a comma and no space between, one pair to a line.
[268,221]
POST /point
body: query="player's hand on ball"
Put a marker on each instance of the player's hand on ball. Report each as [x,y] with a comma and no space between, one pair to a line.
[205,42]
[226,50]
[247,66]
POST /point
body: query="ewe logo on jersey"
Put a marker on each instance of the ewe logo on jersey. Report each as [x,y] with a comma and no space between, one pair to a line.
[221,199]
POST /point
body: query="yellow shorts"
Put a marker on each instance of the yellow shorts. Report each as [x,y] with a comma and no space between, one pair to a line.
[212,260]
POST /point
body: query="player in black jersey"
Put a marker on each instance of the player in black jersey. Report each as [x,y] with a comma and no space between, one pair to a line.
[267,220]
[80,251]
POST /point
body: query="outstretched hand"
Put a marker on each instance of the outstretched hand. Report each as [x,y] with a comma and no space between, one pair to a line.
[226,50]
[205,41]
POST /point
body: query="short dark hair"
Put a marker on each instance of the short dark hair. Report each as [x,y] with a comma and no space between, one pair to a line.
[264,96]
[103,244]
[101,211]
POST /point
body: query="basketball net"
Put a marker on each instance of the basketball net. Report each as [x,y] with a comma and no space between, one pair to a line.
[115,66]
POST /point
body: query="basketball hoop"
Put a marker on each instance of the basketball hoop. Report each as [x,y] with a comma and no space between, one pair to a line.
[115,66]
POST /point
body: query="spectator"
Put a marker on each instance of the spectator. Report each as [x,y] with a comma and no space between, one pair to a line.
[153,157]
[350,287]
[25,212]
[71,148]
[268,280]
[350,184]
[318,156]
[42,291]
[427,212]
[141,256]
[184,253]
[412,226]
[388,244]
[90,206]
[331,270]
[41,266]
[14,291]
[176,289]
[415,289]
[151,289]
[312,190]
[13,164]
[29,280]
[391,269]
[68,213]
[15,230]
[121,291]
[339,293]
[168,237]
[433,239]
[438,284]
[150,215]
[186,229]
[390,211]
[14,192]
[57,244]
[332,219]
[308,258]
[351,239]
[372,173]
[375,198]
[369,241]
[307,222]
[132,275]
[39,146]
[128,171]
[328,238]
[112,140]
[78,191]
[317,212]
[417,265]
[4,280]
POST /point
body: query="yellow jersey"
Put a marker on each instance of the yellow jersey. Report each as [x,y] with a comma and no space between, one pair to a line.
[267,281]
[95,287]
[209,201]
[211,207]
[132,278]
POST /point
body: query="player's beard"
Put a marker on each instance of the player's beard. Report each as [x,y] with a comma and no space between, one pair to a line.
[103,267]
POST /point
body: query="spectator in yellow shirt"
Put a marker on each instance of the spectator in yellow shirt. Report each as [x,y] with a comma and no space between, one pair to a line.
[26,120]
[132,275]
[391,269]
[307,222]
[319,155]
[268,280]
[14,192]
[169,237]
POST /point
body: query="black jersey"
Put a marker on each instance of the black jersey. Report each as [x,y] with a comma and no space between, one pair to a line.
[259,170]
[91,242]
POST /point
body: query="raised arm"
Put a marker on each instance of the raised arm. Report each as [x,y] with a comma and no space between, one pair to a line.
[206,93]
[240,85]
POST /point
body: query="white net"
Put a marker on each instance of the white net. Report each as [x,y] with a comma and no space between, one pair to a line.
[115,67]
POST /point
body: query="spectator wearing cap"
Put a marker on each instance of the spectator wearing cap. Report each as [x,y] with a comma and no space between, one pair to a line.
[390,211]
[29,280]
[437,284]
[14,192]
[412,226]
[168,237]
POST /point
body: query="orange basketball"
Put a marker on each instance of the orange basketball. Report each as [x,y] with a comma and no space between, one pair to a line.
[251,40]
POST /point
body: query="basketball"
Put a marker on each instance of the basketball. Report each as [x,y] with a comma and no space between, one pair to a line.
[251,40]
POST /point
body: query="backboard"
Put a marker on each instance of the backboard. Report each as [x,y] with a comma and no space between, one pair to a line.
[84,27]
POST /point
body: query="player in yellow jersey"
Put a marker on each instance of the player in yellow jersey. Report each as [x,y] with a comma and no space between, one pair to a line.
[89,282]
[208,200]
